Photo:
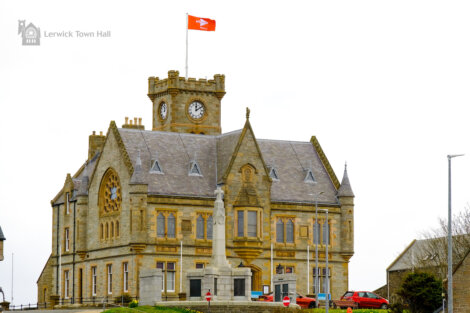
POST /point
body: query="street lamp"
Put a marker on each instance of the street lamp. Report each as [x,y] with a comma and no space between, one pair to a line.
[315,239]
[449,241]
[327,271]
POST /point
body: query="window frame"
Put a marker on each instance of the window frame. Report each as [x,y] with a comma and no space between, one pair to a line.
[165,272]
[321,229]
[285,219]
[67,239]
[94,280]
[165,234]
[109,278]
[206,218]
[125,277]
[66,284]
[244,232]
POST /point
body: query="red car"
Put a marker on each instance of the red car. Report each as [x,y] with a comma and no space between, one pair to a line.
[303,301]
[366,299]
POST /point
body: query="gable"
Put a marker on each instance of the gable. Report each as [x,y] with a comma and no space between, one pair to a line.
[248,149]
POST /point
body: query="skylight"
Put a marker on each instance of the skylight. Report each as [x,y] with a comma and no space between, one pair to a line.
[156,168]
[273,174]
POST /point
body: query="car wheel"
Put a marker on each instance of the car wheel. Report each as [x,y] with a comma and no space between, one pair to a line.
[383,306]
[311,305]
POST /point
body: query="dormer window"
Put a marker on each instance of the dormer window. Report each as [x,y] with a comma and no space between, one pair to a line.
[273,174]
[194,169]
[156,167]
[309,178]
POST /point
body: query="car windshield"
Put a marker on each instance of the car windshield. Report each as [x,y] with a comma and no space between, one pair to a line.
[348,294]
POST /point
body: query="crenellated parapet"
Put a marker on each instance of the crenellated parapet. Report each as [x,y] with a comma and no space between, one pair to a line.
[175,83]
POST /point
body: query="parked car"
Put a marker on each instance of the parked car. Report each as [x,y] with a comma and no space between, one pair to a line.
[301,300]
[366,299]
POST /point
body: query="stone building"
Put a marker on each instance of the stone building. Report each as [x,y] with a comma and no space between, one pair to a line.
[144,199]
[461,285]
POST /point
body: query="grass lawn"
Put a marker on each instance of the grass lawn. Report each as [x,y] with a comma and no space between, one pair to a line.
[150,309]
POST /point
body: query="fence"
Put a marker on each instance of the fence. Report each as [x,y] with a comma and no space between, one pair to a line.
[94,301]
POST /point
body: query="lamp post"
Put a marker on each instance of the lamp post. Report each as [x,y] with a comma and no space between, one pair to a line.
[315,239]
[450,308]
[327,271]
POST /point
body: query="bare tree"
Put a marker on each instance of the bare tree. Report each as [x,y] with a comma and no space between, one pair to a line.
[432,253]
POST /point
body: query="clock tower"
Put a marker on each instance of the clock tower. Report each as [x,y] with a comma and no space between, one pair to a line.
[187,105]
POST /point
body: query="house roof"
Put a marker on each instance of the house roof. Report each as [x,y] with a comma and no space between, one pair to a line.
[213,154]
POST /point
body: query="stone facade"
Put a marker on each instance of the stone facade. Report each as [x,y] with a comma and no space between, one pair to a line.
[144,200]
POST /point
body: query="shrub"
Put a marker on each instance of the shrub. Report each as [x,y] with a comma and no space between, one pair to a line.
[422,292]
[133,304]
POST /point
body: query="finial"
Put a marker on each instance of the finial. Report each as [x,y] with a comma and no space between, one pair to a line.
[345,165]
[247,113]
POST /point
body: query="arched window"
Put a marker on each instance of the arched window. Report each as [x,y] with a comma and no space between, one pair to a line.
[106,231]
[117,228]
[200,227]
[160,225]
[290,231]
[101,231]
[279,231]
[112,230]
[171,231]
[210,224]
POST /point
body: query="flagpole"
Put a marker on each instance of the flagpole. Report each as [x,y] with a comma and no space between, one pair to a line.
[187,21]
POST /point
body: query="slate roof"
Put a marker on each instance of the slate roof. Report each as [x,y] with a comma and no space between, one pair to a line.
[175,151]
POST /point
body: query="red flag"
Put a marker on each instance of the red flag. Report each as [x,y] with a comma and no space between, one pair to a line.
[201,23]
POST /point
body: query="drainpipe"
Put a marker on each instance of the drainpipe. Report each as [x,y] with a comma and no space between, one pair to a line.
[73,254]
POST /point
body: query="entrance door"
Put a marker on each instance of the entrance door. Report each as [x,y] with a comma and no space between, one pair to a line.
[256,279]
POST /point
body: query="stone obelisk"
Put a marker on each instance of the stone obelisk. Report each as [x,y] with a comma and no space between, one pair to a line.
[219,259]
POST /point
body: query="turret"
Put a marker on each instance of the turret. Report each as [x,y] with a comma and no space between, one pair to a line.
[346,199]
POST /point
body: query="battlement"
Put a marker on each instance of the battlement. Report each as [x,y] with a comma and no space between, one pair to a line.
[175,83]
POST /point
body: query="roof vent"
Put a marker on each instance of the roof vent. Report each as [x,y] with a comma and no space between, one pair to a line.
[273,174]
[194,169]
[155,166]
[309,178]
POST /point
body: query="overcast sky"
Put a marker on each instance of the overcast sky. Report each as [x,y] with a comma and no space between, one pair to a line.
[384,85]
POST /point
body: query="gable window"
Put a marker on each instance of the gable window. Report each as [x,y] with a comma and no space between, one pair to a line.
[204,225]
[248,221]
[169,272]
[285,230]
[67,203]
[166,225]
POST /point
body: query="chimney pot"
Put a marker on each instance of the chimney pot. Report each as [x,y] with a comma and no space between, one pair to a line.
[127,120]
[101,133]
[135,120]
[140,121]
[94,133]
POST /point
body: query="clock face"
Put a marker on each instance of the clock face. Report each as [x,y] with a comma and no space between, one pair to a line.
[163,110]
[196,110]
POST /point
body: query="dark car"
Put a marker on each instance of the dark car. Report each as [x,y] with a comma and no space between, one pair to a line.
[366,299]
[301,300]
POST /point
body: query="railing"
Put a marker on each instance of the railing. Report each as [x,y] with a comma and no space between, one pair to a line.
[93,301]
